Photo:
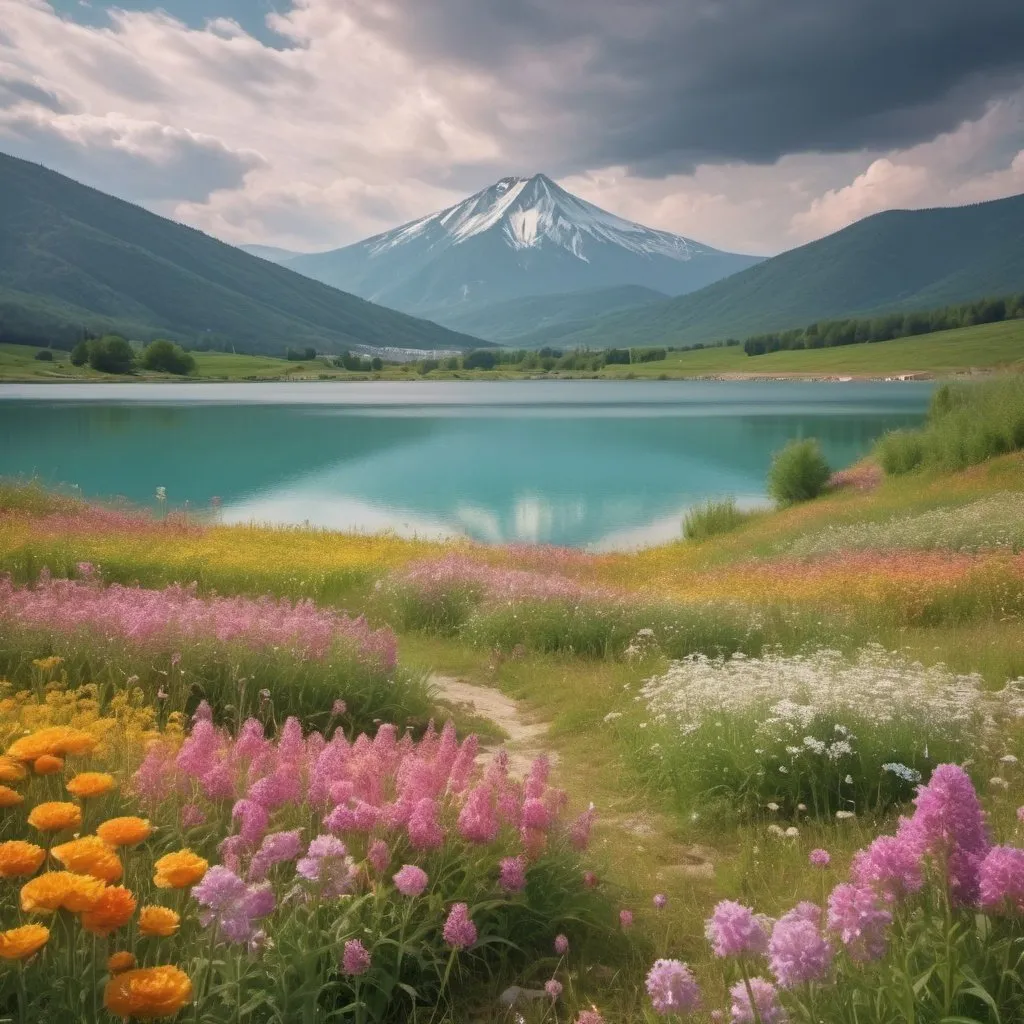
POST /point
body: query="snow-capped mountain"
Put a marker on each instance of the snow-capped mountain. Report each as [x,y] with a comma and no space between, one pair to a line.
[519,237]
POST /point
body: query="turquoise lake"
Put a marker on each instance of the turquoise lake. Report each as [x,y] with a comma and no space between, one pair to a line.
[600,464]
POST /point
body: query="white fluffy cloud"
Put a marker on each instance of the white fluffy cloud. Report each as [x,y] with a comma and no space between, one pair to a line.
[344,131]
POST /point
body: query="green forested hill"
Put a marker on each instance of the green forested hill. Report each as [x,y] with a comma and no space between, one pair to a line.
[898,260]
[72,258]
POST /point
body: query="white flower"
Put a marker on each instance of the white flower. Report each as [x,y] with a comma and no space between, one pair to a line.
[792,832]
[612,715]
[1008,759]
[845,815]
[1001,783]
[772,806]
[775,830]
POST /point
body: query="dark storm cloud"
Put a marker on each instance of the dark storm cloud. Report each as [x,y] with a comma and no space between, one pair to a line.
[660,85]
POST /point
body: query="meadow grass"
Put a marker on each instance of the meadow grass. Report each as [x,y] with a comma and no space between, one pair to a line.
[588,644]
[713,518]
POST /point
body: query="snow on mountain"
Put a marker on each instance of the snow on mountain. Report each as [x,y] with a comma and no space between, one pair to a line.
[518,237]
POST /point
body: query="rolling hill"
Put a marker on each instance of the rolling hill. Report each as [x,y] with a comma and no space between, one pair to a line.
[894,261]
[519,237]
[72,258]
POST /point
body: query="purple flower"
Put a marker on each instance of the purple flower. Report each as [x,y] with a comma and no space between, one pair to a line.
[890,864]
[276,848]
[769,1010]
[734,930]
[192,815]
[231,904]
[379,856]
[459,930]
[819,858]
[579,831]
[411,880]
[536,814]
[553,988]
[513,874]
[561,945]
[356,958]
[327,863]
[797,951]
[855,916]
[672,988]
[660,901]
[1001,879]
[254,819]
[626,918]
[949,825]
[590,1016]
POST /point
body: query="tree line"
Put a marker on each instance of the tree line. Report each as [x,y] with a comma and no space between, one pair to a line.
[830,333]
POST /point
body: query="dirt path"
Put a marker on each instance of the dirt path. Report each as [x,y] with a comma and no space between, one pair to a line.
[525,738]
[526,741]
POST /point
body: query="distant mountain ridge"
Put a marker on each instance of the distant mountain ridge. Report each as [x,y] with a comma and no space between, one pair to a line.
[73,258]
[896,261]
[519,237]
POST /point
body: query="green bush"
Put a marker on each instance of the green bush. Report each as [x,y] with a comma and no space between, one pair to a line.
[798,473]
[80,354]
[712,518]
[166,357]
[967,424]
[112,354]
[44,355]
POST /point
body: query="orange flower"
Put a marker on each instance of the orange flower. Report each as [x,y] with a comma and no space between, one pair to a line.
[88,784]
[56,890]
[18,858]
[118,962]
[89,856]
[59,740]
[178,870]
[47,764]
[148,993]
[124,831]
[55,816]
[111,911]
[159,921]
[20,943]
[11,770]
[10,797]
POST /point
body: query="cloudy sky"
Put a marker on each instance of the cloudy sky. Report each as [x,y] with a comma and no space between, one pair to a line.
[752,125]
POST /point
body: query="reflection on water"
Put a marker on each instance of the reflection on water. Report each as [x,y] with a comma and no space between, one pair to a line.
[580,463]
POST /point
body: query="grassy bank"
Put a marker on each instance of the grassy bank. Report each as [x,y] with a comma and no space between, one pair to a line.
[778,685]
[984,347]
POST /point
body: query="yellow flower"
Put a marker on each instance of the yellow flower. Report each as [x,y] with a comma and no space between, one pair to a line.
[20,943]
[56,890]
[111,911]
[47,764]
[11,770]
[178,870]
[88,784]
[89,856]
[118,962]
[59,740]
[124,831]
[18,858]
[55,816]
[159,921]
[48,664]
[10,797]
[148,993]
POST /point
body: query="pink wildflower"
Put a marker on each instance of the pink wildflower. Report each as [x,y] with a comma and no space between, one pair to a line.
[356,958]
[1001,879]
[734,930]
[672,988]
[561,945]
[660,901]
[459,930]
[819,858]
[890,864]
[855,916]
[590,879]
[535,814]
[411,880]
[276,848]
[553,987]
[626,919]
[513,874]
[192,815]
[797,951]
[477,821]
[327,863]
[424,831]
[379,856]
[590,1016]
[579,831]
[769,1010]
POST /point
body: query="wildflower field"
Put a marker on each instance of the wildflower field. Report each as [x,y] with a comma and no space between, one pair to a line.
[782,775]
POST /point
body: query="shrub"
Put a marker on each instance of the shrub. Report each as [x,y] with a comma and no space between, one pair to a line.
[166,357]
[967,424]
[80,354]
[480,359]
[44,355]
[798,473]
[713,518]
[112,354]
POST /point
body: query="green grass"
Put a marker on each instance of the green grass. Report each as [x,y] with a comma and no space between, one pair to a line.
[985,347]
